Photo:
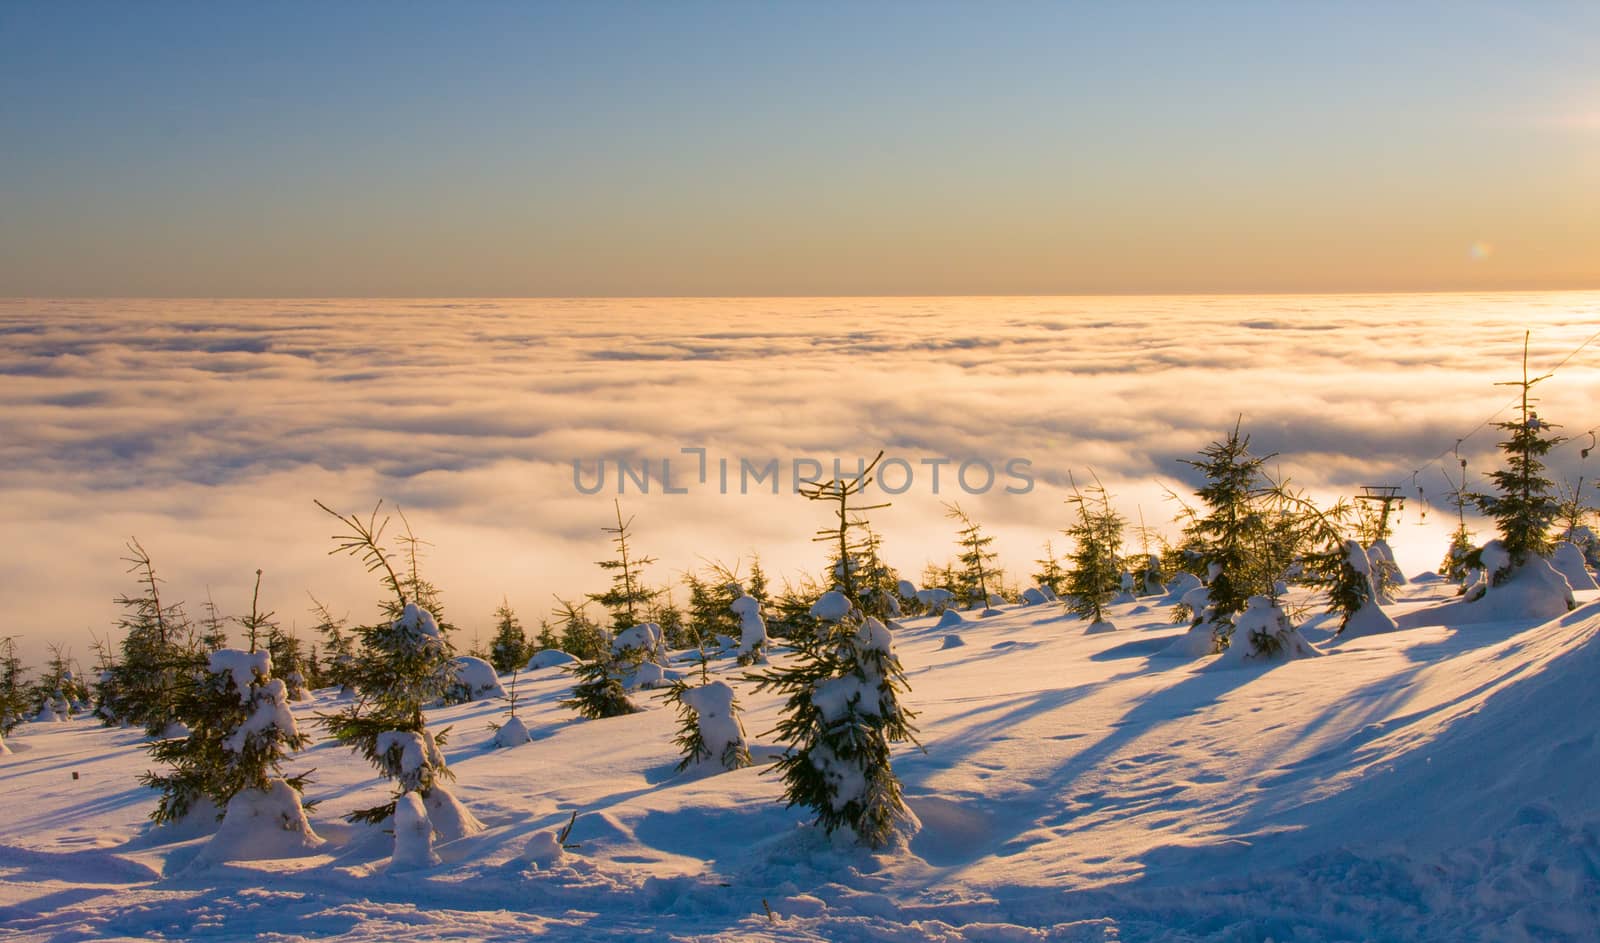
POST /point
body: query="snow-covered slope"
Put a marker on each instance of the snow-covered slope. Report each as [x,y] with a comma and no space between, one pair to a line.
[1429,783]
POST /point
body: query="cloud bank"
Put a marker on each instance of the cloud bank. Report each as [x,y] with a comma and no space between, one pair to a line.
[206,427]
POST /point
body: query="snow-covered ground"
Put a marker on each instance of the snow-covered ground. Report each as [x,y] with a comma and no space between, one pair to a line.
[1434,783]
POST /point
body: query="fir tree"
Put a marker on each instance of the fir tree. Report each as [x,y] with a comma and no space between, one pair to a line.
[1524,506]
[240,732]
[14,698]
[547,639]
[581,636]
[405,663]
[214,628]
[710,596]
[1052,575]
[628,596]
[841,714]
[159,650]
[598,690]
[1229,537]
[509,650]
[977,574]
[1096,556]
[709,728]
[847,547]
[674,627]
[843,687]
[340,657]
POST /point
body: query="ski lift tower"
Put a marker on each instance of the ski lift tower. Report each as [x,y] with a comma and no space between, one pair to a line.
[1387,495]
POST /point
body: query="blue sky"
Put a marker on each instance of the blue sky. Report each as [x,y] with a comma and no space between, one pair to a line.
[876,148]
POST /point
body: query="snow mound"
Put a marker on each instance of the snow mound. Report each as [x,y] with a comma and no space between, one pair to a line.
[952,641]
[645,637]
[548,658]
[649,675]
[1568,561]
[907,590]
[831,606]
[1096,628]
[263,824]
[413,835]
[996,600]
[543,850]
[476,679]
[1181,585]
[512,733]
[1033,596]
[935,598]
[1533,591]
[950,618]
[1263,634]
[1198,642]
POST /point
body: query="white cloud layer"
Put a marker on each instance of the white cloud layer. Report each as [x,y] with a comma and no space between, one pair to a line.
[206,428]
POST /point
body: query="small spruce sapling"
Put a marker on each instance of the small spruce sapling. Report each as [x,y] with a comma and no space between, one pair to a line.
[405,664]
[842,709]
[1523,506]
[509,650]
[709,728]
[1096,556]
[241,731]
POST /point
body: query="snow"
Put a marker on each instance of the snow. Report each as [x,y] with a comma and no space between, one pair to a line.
[549,658]
[1534,590]
[477,678]
[831,606]
[413,835]
[752,628]
[1262,634]
[719,726]
[417,620]
[262,824]
[1180,586]
[1568,561]
[271,712]
[950,618]
[935,598]
[512,733]
[645,637]
[240,666]
[1095,628]
[1428,784]
[907,590]
[1034,596]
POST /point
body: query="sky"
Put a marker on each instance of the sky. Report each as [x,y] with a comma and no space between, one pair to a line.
[732,149]
[206,428]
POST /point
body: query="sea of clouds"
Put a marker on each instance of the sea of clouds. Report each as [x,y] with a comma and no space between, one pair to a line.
[206,428]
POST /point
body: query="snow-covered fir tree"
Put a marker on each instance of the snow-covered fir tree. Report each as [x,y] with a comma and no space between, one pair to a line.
[752,628]
[842,709]
[404,664]
[231,764]
[841,714]
[1523,505]
[598,690]
[511,732]
[709,729]
[1228,534]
